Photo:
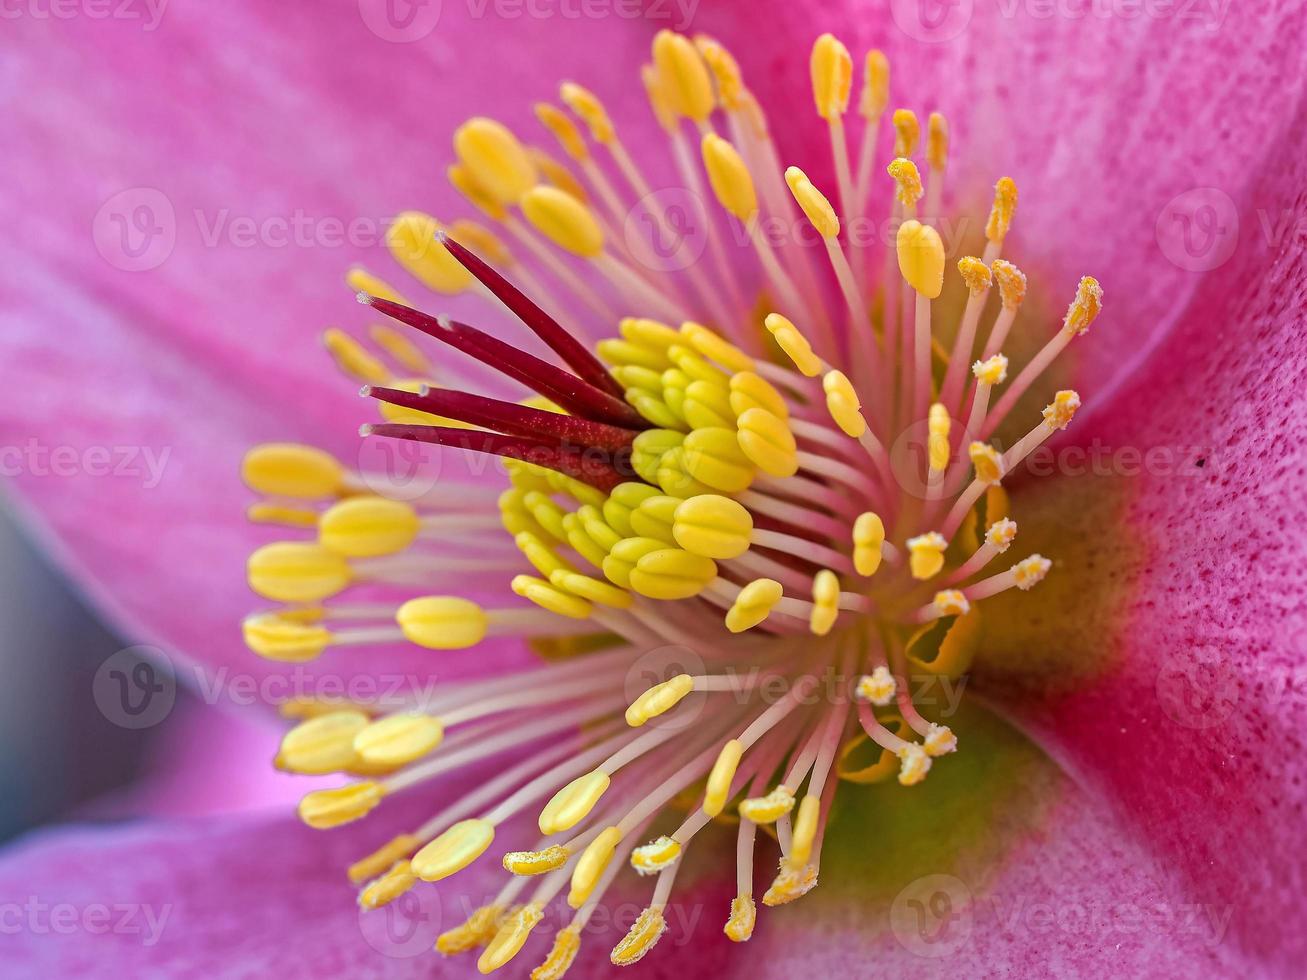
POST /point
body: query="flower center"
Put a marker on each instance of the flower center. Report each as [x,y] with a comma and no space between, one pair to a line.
[798,496]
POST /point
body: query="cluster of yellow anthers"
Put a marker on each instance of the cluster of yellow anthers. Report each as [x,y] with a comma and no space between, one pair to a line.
[723,485]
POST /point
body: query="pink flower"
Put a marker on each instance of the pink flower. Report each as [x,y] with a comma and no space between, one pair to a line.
[1142,669]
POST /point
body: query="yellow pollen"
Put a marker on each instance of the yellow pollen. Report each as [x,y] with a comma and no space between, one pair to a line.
[478,930]
[1000,215]
[907,132]
[937,142]
[711,345]
[671,573]
[825,602]
[1059,413]
[659,99]
[466,184]
[573,803]
[716,792]
[926,554]
[564,220]
[1085,307]
[556,174]
[875,87]
[739,927]
[277,637]
[592,863]
[753,605]
[868,537]
[729,177]
[878,687]
[749,390]
[843,404]
[921,258]
[643,934]
[563,129]
[360,280]
[813,202]
[770,808]
[769,443]
[442,622]
[536,862]
[510,938]
[385,857]
[548,596]
[398,739]
[327,808]
[567,943]
[795,345]
[591,111]
[351,358]
[297,571]
[805,831]
[938,426]
[653,857]
[1011,283]
[453,850]
[367,527]
[494,159]
[388,886]
[685,81]
[713,526]
[975,274]
[725,69]
[412,241]
[907,181]
[591,589]
[323,744]
[832,76]
[266,513]
[940,741]
[659,699]
[713,457]
[951,602]
[790,884]
[988,462]
[1030,572]
[991,371]
[914,763]
[283,469]
[1001,534]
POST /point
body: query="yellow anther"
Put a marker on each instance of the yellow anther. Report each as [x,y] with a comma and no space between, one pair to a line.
[768,442]
[938,426]
[1000,214]
[769,808]
[548,596]
[360,280]
[543,556]
[988,462]
[673,478]
[285,469]
[296,571]
[832,76]
[650,334]
[442,622]
[591,865]
[739,927]
[573,803]
[383,858]
[868,538]
[587,106]
[478,930]
[843,404]
[696,368]
[653,857]
[556,174]
[1030,572]
[564,220]
[754,604]
[1060,412]
[1085,307]
[536,862]
[659,100]
[671,573]
[591,589]
[991,371]
[412,241]
[495,159]
[937,142]
[713,526]
[1011,283]
[805,830]
[655,516]
[412,416]
[366,527]
[563,129]
[453,850]
[921,258]
[825,602]
[511,936]
[685,81]
[277,637]
[592,520]
[481,240]
[951,602]
[875,86]
[729,177]
[328,808]
[713,457]
[718,790]
[1001,534]
[399,739]
[710,344]
[975,274]
[725,69]
[389,886]
[907,132]
[813,202]
[567,943]
[790,884]
[321,745]
[907,181]
[649,448]
[624,555]
[914,763]
[659,699]
[878,687]
[940,741]
[794,344]
[624,499]
[354,362]
[926,554]
[623,354]
[707,405]
[466,184]
[749,390]
[640,938]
